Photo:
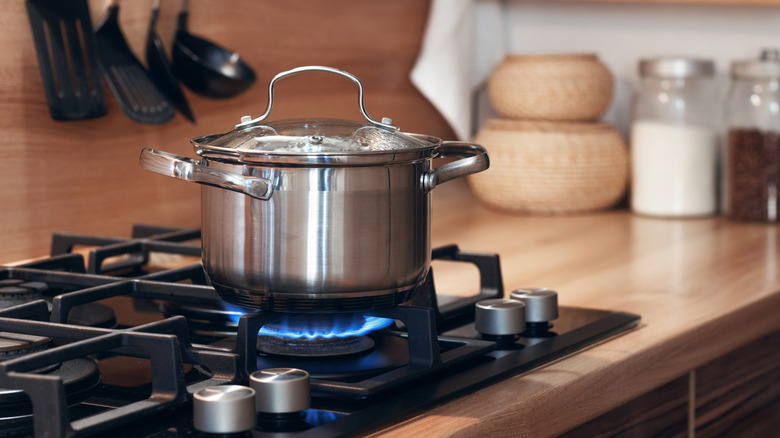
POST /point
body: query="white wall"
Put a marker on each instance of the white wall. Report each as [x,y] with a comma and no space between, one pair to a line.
[621,34]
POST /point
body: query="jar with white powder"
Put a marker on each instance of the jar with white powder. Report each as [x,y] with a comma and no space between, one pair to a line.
[674,150]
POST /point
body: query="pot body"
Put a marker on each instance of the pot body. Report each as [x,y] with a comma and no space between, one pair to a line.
[334,238]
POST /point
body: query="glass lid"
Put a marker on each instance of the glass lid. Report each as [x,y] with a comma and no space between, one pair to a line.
[315,136]
[316,140]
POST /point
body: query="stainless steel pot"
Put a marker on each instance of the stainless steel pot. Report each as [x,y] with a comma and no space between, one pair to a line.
[313,215]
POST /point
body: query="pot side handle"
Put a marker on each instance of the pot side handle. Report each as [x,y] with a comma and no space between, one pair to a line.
[475,160]
[191,170]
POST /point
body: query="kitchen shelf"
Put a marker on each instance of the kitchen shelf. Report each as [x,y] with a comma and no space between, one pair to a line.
[683,2]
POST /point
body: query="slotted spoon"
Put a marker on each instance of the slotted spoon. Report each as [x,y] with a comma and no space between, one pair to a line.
[135,91]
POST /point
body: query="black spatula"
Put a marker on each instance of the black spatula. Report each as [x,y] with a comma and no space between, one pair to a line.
[62,31]
[133,88]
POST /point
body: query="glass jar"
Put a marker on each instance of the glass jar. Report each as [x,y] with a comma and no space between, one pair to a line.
[752,164]
[674,151]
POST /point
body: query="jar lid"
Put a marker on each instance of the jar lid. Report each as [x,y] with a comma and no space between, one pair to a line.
[672,67]
[766,67]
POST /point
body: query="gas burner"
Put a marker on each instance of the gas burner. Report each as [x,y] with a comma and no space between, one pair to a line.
[15,291]
[387,352]
[16,344]
[92,315]
[319,335]
[80,378]
[317,347]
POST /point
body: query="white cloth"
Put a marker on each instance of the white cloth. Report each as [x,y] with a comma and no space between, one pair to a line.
[464,40]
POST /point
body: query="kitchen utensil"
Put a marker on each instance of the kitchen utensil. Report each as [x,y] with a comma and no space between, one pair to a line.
[161,70]
[205,67]
[551,167]
[560,87]
[133,88]
[62,31]
[317,215]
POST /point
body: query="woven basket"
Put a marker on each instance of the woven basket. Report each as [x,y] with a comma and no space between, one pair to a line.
[551,87]
[551,167]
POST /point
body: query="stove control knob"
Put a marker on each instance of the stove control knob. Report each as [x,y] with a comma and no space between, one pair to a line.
[281,390]
[541,304]
[499,317]
[224,409]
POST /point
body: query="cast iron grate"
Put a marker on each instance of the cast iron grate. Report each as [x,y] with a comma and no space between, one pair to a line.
[443,361]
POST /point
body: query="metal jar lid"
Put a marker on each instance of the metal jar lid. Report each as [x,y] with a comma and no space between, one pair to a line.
[674,67]
[316,140]
[766,67]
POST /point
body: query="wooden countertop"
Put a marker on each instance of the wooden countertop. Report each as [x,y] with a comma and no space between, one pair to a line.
[702,286]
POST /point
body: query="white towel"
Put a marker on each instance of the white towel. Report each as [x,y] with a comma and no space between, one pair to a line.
[464,40]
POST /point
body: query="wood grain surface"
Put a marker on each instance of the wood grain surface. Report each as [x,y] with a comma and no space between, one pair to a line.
[704,287]
[662,412]
[734,392]
[83,176]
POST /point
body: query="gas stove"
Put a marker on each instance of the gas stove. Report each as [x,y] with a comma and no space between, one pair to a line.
[98,339]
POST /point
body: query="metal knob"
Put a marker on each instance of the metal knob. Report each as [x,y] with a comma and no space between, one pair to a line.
[224,409]
[281,390]
[541,304]
[500,317]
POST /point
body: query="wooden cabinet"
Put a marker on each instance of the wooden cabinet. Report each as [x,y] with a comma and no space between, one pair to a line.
[736,395]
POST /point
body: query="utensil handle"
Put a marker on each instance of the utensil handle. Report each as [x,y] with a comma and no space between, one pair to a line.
[248,121]
[188,169]
[475,160]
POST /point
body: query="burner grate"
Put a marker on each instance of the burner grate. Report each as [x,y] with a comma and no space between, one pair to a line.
[146,239]
[165,343]
[437,354]
[424,356]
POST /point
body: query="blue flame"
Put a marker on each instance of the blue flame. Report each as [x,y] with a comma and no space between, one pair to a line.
[235,312]
[314,326]
[369,324]
[318,418]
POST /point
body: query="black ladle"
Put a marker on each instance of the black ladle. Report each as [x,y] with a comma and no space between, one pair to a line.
[161,70]
[207,68]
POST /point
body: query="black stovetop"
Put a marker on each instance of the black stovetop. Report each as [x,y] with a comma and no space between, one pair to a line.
[128,345]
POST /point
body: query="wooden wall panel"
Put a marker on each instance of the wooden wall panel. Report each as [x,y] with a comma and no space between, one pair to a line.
[83,176]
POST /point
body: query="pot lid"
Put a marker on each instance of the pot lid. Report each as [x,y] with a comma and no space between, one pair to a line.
[316,140]
[295,137]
